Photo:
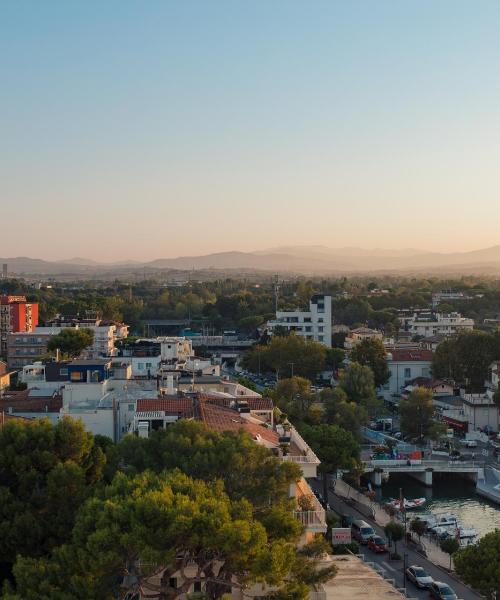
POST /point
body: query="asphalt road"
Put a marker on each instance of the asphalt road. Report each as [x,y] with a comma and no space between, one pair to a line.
[394,569]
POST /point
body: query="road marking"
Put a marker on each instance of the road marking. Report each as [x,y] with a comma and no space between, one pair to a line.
[389,567]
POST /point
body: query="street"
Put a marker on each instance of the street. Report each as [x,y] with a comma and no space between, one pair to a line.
[395,569]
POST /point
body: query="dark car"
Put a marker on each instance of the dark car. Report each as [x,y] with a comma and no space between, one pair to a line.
[346,520]
[419,576]
[377,544]
[442,591]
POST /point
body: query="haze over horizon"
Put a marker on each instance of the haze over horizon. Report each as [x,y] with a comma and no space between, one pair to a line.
[142,131]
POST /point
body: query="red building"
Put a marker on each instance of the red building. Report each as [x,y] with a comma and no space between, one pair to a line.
[16,315]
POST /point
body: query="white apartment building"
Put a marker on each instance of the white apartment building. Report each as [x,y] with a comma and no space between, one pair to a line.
[430,324]
[314,324]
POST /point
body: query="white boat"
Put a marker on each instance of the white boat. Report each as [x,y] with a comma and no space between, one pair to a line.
[408,504]
[465,535]
[443,520]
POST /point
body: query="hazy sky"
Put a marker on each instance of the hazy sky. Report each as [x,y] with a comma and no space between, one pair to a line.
[148,129]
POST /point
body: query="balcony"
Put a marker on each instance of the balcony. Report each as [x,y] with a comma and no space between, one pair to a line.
[309,511]
[299,452]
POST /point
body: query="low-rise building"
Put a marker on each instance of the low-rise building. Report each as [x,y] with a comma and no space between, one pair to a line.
[359,334]
[405,366]
[314,324]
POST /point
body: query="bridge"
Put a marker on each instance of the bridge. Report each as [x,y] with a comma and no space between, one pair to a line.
[422,470]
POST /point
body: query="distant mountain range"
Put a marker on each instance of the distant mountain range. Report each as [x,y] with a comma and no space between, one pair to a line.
[314,260]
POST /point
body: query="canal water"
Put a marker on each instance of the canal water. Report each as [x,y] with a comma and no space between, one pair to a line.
[451,495]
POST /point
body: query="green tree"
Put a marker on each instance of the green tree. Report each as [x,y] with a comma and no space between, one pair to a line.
[294,397]
[358,383]
[450,546]
[419,527]
[335,447]
[371,353]
[151,527]
[71,341]
[340,411]
[416,413]
[335,357]
[479,564]
[395,532]
[46,473]
[466,358]
[247,469]
[287,356]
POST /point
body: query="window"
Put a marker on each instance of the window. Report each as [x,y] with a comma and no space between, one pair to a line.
[140,366]
[307,319]
[320,328]
[172,582]
[407,373]
[63,371]
[197,587]
[320,338]
[76,376]
[308,328]
[320,320]
[149,365]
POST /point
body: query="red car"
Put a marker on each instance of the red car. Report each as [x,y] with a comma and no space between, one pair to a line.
[377,544]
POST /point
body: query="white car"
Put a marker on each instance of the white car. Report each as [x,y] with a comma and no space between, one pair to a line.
[471,444]
[419,576]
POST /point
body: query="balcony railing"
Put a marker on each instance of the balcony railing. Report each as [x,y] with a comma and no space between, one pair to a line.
[311,518]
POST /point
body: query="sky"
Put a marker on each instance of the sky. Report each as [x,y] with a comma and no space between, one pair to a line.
[139,130]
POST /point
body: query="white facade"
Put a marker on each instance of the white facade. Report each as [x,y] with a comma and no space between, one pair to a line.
[446,296]
[175,348]
[403,368]
[314,324]
[439,324]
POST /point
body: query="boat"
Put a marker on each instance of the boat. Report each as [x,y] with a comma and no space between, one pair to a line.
[408,504]
[465,535]
[443,520]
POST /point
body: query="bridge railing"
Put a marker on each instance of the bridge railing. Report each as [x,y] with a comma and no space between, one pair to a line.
[421,464]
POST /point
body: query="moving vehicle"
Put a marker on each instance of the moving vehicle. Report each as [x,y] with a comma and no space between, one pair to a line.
[377,544]
[361,531]
[419,576]
[442,591]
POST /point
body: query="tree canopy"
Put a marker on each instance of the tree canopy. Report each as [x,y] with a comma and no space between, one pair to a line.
[479,564]
[46,473]
[466,358]
[71,341]
[417,414]
[287,356]
[371,353]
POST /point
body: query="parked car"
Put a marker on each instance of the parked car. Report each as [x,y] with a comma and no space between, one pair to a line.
[419,576]
[442,591]
[346,520]
[377,544]
[361,531]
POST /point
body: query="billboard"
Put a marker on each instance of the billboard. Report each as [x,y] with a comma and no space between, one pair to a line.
[341,535]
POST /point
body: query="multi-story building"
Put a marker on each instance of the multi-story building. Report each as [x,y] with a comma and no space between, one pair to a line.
[24,348]
[405,366]
[314,324]
[16,315]
[431,324]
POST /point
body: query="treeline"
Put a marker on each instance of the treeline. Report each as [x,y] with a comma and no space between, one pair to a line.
[84,518]
[243,305]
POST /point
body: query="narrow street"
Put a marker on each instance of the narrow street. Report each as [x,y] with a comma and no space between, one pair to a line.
[394,569]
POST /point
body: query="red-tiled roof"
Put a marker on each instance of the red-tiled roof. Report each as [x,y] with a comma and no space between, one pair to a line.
[173,405]
[252,402]
[226,419]
[409,355]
